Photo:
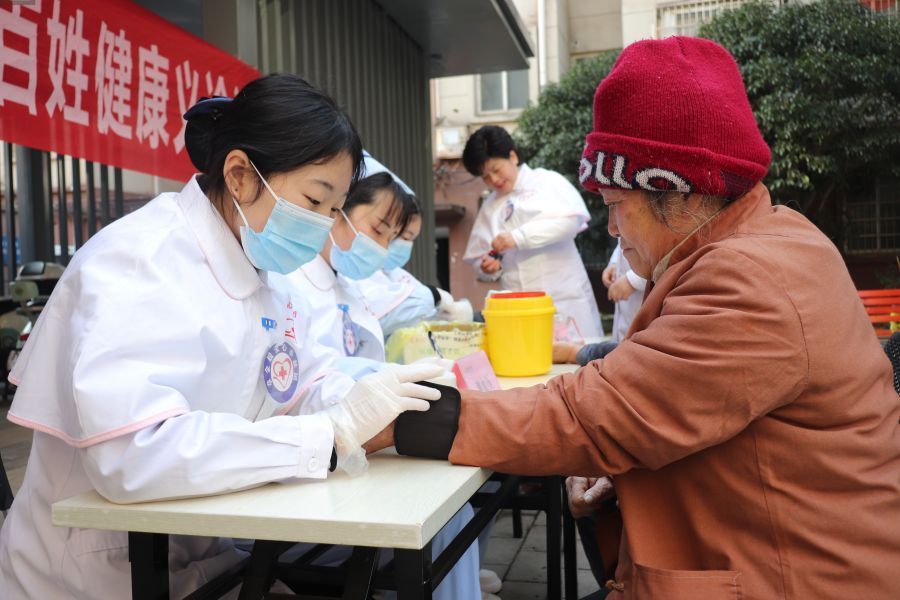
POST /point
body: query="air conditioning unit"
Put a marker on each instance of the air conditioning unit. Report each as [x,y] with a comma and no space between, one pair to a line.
[450,141]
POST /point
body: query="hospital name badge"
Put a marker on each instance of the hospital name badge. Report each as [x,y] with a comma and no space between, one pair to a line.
[281,372]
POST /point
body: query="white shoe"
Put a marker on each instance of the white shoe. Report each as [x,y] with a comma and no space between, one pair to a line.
[486,596]
[489,582]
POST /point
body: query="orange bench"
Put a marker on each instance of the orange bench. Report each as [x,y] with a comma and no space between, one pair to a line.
[883,308]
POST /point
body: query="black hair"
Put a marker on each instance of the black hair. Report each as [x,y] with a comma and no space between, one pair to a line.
[488,142]
[281,121]
[412,208]
[363,193]
[411,205]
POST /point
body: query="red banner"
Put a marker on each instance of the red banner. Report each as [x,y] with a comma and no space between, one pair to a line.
[107,81]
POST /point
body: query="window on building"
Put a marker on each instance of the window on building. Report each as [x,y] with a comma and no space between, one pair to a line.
[873,220]
[685,18]
[503,90]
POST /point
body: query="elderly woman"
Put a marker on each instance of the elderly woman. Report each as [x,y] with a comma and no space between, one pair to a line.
[749,421]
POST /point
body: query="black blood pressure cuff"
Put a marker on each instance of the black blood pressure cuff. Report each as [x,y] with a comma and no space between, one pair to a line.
[430,433]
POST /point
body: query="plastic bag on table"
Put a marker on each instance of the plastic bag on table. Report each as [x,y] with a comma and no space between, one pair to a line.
[450,340]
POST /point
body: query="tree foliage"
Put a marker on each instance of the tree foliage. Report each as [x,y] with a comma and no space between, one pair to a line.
[823,79]
[824,82]
[551,135]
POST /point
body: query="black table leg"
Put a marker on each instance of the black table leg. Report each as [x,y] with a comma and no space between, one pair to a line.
[260,572]
[149,557]
[361,567]
[554,533]
[569,550]
[412,572]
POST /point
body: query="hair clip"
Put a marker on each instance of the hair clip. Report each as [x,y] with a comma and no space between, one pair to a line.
[208,106]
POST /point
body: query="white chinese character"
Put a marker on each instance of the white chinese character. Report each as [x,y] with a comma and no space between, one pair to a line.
[63,44]
[188,91]
[112,80]
[13,24]
[153,94]
[215,88]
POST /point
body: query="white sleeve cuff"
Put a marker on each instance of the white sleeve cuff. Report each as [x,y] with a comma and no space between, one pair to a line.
[521,242]
[636,281]
[316,443]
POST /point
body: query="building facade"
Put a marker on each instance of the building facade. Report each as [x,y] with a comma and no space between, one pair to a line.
[376,58]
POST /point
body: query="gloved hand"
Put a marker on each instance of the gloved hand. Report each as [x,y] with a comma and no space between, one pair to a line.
[461,310]
[372,404]
[445,363]
[453,310]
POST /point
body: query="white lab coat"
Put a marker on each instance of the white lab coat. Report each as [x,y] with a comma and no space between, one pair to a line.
[544,213]
[397,299]
[163,366]
[627,308]
[340,318]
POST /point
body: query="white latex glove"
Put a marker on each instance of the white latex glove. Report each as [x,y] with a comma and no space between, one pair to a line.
[372,404]
[445,363]
[461,310]
[445,298]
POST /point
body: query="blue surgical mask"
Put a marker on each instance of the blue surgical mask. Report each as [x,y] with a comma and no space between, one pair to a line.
[364,257]
[399,252]
[292,237]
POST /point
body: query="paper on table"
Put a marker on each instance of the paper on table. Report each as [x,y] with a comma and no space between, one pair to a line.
[474,372]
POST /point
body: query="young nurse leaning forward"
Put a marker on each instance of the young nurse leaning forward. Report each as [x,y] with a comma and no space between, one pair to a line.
[749,421]
[167,363]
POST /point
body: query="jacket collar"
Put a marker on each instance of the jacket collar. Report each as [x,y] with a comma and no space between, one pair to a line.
[319,273]
[224,254]
[522,179]
[721,225]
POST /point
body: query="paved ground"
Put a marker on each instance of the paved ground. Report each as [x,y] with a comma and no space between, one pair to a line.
[520,563]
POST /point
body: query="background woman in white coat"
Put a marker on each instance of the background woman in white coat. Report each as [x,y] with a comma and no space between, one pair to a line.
[165,365]
[524,234]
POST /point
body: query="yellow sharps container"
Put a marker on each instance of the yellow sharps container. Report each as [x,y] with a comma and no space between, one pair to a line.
[519,327]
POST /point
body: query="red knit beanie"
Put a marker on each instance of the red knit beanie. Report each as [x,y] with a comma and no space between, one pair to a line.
[673,115]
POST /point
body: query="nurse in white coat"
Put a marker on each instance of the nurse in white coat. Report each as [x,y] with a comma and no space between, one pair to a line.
[397,298]
[356,248]
[524,234]
[626,289]
[165,365]
[375,212]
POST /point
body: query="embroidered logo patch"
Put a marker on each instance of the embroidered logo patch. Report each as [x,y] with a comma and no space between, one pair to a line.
[508,211]
[281,372]
[268,324]
[348,331]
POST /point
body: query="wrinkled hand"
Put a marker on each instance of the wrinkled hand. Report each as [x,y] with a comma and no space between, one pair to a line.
[609,275]
[490,265]
[586,494]
[384,439]
[503,241]
[373,404]
[620,289]
[565,353]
